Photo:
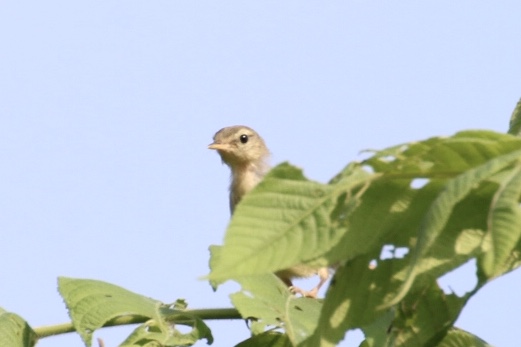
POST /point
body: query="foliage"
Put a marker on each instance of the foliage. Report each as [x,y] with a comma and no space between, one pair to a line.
[434,205]
[467,207]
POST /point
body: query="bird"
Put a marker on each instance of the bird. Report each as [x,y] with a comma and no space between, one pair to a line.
[245,152]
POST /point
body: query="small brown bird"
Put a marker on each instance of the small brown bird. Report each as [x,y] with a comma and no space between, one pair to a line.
[245,152]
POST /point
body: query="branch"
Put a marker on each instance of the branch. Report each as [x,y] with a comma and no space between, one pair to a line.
[205,314]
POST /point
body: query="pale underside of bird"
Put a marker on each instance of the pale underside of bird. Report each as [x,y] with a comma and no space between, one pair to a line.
[245,152]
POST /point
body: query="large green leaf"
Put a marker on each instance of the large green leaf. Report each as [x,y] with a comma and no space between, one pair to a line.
[284,221]
[14,331]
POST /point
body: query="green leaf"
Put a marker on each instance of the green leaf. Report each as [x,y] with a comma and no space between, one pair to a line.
[504,224]
[269,302]
[460,338]
[515,121]
[268,338]
[92,304]
[283,222]
[15,331]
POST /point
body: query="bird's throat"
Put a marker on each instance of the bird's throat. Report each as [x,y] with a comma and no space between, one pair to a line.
[244,179]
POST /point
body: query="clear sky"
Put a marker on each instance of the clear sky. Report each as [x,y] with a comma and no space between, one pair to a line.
[106,109]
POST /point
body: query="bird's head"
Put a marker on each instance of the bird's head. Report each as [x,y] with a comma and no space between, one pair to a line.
[239,146]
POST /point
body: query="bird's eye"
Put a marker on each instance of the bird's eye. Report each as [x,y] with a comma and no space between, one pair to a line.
[244,138]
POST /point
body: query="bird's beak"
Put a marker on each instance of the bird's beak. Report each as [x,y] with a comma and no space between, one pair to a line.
[219,146]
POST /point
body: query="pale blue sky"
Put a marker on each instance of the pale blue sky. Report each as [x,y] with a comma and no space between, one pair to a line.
[106,109]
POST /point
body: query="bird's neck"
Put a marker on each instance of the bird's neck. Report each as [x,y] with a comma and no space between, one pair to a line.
[244,179]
